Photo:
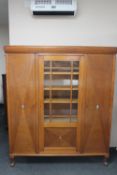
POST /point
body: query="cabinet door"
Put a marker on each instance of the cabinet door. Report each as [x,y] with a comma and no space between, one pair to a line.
[60,103]
[96,120]
[22,114]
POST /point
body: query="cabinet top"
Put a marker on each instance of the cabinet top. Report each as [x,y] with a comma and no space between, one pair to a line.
[60,49]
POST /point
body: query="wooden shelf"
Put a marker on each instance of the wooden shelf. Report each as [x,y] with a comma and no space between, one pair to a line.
[62,68]
[60,101]
[59,124]
[61,73]
[61,88]
[60,116]
[49,120]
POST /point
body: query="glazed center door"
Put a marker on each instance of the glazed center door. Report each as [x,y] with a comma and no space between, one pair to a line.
[59,104]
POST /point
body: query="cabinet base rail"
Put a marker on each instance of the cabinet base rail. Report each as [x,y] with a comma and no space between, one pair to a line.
[105,157]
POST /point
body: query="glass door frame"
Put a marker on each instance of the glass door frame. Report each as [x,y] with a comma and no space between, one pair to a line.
[40,85]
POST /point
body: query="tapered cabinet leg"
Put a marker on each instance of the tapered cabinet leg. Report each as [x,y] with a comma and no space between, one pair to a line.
[12,161]
[106,160]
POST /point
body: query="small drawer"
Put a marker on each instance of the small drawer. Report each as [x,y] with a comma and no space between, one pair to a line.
[60,137]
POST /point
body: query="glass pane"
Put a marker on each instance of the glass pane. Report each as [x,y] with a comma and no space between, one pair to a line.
[76,66]
[61,81]
[75,94]
[60,110]
[46,110]
[61,66]
[47,81]
[61,94]
[74,109]
[75,80]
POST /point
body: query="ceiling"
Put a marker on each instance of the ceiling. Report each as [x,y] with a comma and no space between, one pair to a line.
[3,12]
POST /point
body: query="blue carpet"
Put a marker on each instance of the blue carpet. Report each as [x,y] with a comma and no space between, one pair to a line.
[51,166]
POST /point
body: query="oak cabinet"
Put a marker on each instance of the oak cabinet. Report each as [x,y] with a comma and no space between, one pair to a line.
[59,100]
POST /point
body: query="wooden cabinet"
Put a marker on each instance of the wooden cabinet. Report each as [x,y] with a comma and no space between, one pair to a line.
[59,100]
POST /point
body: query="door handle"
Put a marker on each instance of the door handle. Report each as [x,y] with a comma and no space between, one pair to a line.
[22,106]
[97,107]
[60,137]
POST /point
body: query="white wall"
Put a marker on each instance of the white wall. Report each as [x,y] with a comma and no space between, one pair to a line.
[4,40]
[95,25]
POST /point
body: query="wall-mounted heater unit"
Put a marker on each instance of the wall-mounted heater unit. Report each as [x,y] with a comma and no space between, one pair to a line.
[54,7]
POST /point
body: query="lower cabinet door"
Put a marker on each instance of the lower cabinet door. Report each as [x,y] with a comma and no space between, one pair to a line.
[60,137]
[60,140]
[96,121]
[22,114]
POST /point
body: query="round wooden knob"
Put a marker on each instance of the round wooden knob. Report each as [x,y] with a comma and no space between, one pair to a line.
[60,137]
[22,106]
[97,106]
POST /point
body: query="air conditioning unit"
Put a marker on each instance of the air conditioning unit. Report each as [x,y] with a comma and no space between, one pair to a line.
[54,7]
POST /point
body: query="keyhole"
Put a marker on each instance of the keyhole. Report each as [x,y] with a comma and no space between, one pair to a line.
[60,137]
[97,106]
[22,106]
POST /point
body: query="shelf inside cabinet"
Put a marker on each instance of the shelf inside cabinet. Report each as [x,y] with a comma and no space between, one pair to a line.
[60,88]
[61,73]
[62,68]
[60,100]
[61,116]
[63,119]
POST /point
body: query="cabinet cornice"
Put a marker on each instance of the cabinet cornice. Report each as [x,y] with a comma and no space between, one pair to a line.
[60,49]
